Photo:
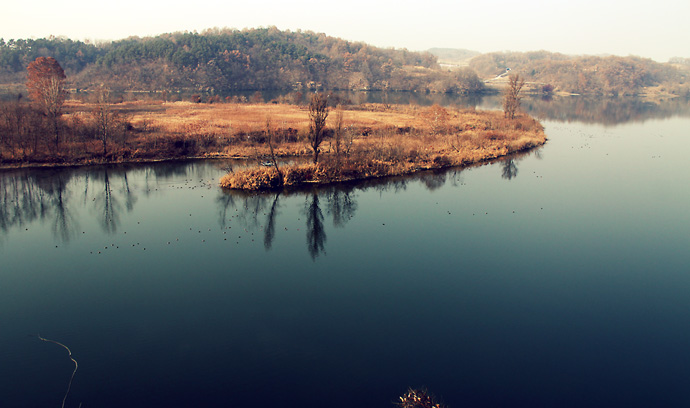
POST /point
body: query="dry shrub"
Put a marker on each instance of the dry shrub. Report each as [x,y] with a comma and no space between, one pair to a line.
[442,161]
[299,174]
[419,398]
[252,179]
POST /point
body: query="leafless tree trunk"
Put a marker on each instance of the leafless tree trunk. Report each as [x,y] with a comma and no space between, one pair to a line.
[105,118]
[511,99]
[338,128]
[45,80]
[269,138]
[318,112]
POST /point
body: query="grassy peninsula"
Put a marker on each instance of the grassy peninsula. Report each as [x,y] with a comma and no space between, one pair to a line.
[377,141]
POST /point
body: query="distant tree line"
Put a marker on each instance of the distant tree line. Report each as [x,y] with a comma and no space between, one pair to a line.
[610,75]
[220,60]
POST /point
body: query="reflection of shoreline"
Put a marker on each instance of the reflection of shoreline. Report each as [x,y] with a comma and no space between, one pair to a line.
[605,111]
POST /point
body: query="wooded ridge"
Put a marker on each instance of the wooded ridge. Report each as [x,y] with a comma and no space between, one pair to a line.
[218,61]
[221,60]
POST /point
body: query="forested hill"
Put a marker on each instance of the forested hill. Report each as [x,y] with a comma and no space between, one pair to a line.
[221,60]
[226,59]
[609,75]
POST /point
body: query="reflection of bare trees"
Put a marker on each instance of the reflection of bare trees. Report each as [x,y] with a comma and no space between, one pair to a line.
[48,195]
[64,224]
[108,202]
[27,196]
[251,209]
[270,230]
[316,233]
[341,205]
[434,180]
[509,169]
[21,201]
[54,185]
[108,206]
[225,202]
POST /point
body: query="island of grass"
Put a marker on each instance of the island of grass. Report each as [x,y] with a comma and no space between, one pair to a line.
[368,141]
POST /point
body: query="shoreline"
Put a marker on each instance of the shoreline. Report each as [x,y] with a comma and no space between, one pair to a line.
[269,174]
[319,183]
[50,165]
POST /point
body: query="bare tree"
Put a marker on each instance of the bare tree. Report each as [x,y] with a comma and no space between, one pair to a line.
[511,99]
[437,118]
[338,135]
[45,80]
[105,117]
[269,138]
[318,112]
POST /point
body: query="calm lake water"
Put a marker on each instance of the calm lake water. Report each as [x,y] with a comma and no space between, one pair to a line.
[558,278]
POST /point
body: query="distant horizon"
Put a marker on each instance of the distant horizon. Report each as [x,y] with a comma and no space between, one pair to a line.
[657,30]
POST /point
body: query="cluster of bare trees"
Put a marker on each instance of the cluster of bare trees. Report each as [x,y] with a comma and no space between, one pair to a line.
[45,80]
[39,129]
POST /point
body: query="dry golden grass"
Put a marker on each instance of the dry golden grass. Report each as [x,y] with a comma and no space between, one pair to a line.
[211,118]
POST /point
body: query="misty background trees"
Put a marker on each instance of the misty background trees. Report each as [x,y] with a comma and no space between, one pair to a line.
[221,60]
[595,75]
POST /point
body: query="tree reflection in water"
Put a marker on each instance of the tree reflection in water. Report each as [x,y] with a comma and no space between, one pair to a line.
[253,208]
[54,188]
[270,230]
[341,205]
[509,169]
[316,233]
[108,203]
[41,195]
[21,201]
[434,180]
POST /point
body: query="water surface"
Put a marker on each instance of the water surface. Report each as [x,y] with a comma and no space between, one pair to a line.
[555,278]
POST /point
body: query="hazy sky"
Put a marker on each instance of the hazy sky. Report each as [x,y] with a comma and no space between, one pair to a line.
[654,29]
